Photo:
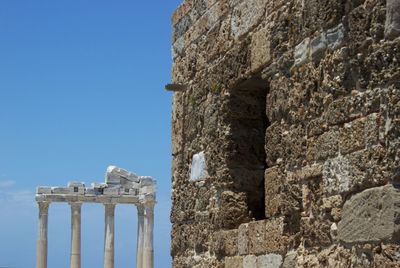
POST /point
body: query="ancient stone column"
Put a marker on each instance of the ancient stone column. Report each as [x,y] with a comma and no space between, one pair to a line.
[109,236]
[140,237]
[41,254]
[75,260]
[148,252]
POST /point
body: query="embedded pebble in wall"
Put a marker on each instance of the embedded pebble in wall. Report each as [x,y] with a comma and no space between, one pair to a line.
[318,46]
[392,24]
[335,37]
[301,52]
[199,169]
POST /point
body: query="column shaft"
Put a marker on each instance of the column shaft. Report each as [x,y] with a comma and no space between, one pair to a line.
[148,251]
[41,254]
[109,236]
[140,237]
[75,259]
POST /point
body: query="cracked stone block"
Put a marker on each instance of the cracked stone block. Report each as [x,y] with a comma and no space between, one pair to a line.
[269,261]
[371,216]
[199,169]
[392,24]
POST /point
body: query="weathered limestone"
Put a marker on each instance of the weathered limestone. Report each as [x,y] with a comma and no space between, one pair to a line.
[371,216]
[109,236]
[41,257]
[121,187]
[75,260]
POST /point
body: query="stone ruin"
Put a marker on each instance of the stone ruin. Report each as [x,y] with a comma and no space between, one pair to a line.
[120,187]
[285,124]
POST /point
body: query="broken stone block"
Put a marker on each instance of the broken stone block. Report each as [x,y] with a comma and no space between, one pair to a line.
[269,261]
[199,169]
[392,24]
[116,175]
[301,52]
[371,216]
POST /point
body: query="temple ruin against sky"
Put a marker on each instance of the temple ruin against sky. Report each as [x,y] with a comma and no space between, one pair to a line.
[120,187]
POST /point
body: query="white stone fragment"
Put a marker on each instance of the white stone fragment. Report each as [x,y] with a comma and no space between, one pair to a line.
[116,175]
[146,180]
[336,175]
[318,46]
[198,169]
[335,36]
[301,52]
[90,192]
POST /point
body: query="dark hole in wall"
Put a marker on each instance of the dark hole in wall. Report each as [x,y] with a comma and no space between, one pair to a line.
[246,151]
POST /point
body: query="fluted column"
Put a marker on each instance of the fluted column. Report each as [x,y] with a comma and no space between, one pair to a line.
[140,237]
[41,254]
[148,251]
[109,236]
[75,260]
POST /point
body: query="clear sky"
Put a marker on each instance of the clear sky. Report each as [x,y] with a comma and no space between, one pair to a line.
[81,88]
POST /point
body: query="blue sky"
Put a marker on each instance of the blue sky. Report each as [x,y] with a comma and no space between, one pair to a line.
[82,87]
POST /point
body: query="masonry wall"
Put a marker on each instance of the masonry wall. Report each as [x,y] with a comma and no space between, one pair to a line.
[295,106]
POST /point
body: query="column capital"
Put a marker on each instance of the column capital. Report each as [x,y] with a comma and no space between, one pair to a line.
[75,205]
[140,209]
[110,208]
[43,207]
[149,208]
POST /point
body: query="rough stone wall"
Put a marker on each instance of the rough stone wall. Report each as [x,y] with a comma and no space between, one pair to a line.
[296,106]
